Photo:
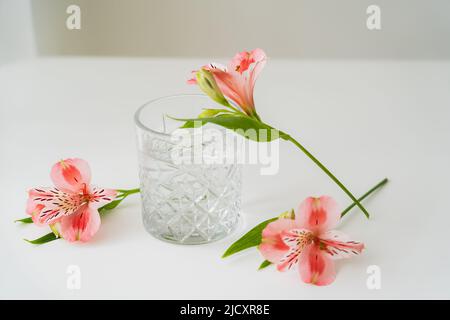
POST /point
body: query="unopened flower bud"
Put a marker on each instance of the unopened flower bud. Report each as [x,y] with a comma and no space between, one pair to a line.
[208,85]
[287,215]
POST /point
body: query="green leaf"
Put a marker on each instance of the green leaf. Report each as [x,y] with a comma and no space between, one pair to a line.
[189,124]
[110,206]
[264,264]
[206,113]
[248,240]
[44,239]
[113,204]
[25,220]
[244,125]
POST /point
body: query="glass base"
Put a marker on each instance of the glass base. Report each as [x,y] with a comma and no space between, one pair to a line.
[190,204]
[194,238]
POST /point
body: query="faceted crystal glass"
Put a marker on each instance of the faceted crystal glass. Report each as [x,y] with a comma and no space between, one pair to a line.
[184,202]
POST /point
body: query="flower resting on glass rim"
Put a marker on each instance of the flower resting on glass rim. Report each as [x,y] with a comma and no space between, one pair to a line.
[308,241]
[233,87]
[236,82]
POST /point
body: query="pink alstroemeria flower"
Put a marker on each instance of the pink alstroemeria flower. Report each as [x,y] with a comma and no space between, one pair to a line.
[309,241]
[72,204]
[237,82]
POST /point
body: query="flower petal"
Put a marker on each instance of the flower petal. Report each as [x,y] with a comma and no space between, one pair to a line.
[272,246]
[209,67]
[241,61]
[318,214]
[339,245]
[316,267]
[193,79]
[297,240]
[258,55]
[260,59]
[214,65]
[236,86]
[71,174]
[100,196]
[232,85]
[80,226]
[34,209]
[48,205]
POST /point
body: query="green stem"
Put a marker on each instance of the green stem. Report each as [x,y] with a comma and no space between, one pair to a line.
[233,108]
[123,194]
[126,193]
[287,137]
[256,116]
[365,195]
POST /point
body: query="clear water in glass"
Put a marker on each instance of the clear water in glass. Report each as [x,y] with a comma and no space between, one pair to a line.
[186,203]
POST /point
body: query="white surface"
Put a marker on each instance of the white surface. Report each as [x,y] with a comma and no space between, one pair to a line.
[366,120]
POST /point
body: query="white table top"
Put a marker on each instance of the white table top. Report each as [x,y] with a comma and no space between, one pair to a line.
[365,120]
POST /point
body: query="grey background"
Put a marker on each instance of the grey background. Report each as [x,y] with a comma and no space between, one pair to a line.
[309,29]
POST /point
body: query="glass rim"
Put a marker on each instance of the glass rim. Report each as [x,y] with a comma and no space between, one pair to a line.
[138,112]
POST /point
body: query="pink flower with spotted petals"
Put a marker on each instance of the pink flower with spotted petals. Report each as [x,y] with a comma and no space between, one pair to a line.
[72,204]
[309,241]
[237,81]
